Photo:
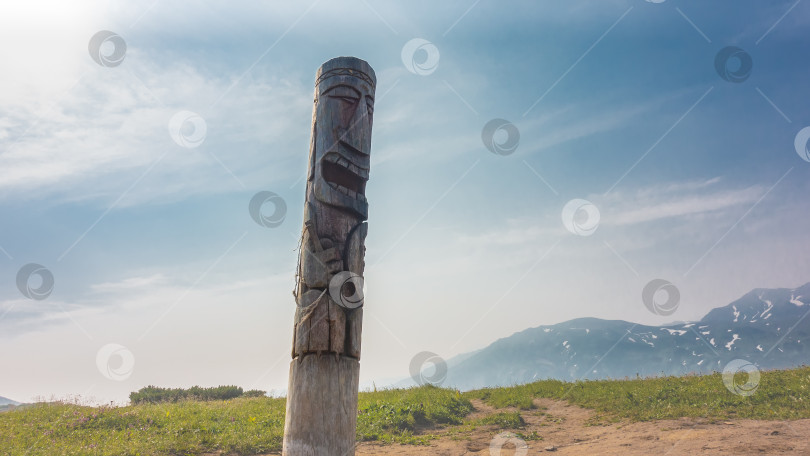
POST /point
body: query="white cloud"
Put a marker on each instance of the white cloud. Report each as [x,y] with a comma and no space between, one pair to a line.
[579,120]
[129,283]
[675,201]
[518,232]
[99,137]
[689,207]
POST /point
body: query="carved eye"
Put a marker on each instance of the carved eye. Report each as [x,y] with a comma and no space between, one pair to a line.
[370,105]
[345,94]
[350,100]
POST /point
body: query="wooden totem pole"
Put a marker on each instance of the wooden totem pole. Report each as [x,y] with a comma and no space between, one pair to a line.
[324,373]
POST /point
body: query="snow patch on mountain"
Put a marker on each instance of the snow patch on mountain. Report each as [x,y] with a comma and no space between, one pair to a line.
[734,338]
[757,318]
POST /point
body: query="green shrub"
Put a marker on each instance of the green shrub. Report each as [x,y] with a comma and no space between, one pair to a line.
[153,394]
[254,393]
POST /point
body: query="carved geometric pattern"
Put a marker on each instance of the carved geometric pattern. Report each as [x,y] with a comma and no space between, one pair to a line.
[346,72]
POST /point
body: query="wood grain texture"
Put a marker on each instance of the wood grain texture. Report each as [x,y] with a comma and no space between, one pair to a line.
[322,396]
[321,406]
[336,208]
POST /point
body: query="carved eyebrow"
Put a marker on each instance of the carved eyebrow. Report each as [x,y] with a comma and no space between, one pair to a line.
[354,91]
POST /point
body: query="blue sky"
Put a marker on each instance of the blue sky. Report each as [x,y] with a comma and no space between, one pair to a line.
[696,179]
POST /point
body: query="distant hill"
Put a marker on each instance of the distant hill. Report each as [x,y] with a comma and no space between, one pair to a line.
[7,401]
[765,326]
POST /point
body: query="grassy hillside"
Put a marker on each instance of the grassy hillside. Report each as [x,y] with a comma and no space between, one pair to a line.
[781,394]
[255,425]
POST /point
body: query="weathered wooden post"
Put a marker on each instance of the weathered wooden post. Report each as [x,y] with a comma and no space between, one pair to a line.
[324,373]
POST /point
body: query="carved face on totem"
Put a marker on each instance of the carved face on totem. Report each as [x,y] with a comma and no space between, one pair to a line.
[344,110]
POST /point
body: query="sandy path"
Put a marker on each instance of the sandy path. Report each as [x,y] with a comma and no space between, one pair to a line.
[565,427]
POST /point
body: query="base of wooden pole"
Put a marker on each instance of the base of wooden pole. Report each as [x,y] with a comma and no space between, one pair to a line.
[321,415]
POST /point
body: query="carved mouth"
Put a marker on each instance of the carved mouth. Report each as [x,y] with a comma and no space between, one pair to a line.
[344,176]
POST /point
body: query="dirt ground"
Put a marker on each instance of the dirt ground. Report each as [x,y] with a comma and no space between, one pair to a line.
[564,431]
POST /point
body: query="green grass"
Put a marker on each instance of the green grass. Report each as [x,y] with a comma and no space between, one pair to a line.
[394,415]
[781,394]
[504,420]
[248,426]
[243,426]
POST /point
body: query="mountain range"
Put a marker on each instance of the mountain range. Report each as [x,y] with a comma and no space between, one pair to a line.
[6,404]
[766,327]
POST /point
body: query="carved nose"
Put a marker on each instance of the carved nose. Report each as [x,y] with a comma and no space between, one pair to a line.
[360,129]
[363,127]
